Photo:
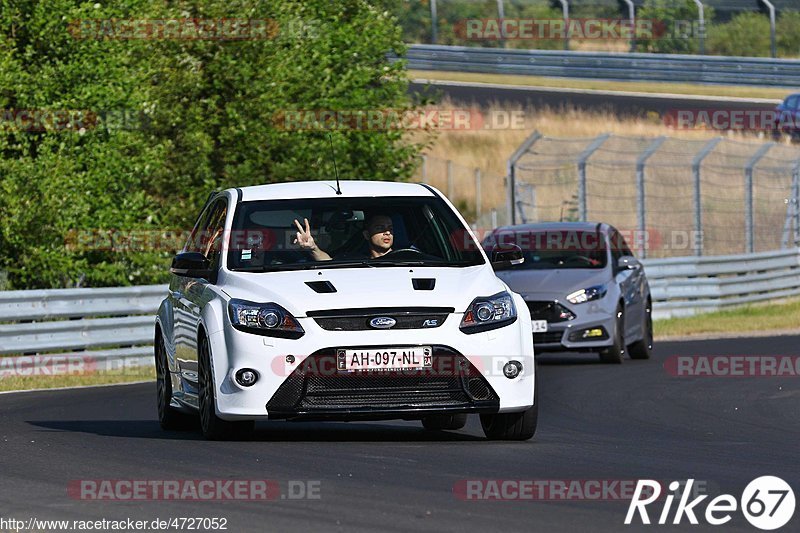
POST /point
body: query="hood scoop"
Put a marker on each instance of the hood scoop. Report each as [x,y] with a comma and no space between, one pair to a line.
[423,284]
[321,287]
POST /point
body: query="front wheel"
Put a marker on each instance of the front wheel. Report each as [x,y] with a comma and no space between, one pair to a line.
[514,426]
[642,349]
[213,427]
[168,416]
[615,353]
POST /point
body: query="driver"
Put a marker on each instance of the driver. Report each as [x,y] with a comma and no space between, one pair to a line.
[378,232]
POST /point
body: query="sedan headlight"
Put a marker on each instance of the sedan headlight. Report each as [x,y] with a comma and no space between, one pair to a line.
[488,313]
[268,319]
[587,295]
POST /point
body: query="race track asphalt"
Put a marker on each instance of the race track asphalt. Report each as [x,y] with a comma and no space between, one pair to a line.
[597,422]
[625,105]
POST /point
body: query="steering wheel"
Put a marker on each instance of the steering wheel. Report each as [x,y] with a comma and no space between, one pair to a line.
[401,250]
[410,253]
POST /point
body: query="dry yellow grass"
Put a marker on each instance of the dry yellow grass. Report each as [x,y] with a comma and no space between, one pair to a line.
[772,316]
[490,149]
[129,375]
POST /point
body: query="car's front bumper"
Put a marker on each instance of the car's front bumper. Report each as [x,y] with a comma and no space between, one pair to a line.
[486,353]
[566,336]
[316,389]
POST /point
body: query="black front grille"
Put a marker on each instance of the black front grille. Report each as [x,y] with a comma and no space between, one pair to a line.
[550,311]
[316,386]
[551,337]
[359,319]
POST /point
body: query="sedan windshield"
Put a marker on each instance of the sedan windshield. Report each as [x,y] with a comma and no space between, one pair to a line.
[555,249]
[316,233]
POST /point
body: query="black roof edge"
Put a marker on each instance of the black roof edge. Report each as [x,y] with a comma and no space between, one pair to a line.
[431,189]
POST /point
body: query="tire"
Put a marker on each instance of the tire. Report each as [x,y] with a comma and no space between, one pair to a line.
[212,426]
[168,417]
[615,353]
[439,422]
[642,349]
[513,426]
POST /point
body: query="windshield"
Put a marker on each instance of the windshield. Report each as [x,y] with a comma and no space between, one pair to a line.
[272,235]
[555,249]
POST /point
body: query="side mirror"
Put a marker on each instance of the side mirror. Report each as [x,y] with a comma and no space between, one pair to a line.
[628,262]
[505,257]
[191,265]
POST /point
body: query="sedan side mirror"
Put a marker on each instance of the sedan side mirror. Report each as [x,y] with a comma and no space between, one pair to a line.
[628,262]
[507,256]
[191,265]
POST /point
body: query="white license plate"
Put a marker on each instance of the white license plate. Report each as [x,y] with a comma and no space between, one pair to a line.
[539,326]
[402,358]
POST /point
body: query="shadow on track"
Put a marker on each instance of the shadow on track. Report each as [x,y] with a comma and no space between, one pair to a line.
[276,431]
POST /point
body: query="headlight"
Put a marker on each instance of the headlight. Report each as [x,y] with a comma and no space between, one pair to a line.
[488,313]
[268,319]
[587,295]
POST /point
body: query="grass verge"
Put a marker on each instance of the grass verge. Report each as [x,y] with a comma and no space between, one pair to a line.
[602,85]
[128,375]
[762,318]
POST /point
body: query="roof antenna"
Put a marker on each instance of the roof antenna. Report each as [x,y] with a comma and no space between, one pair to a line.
[335,170]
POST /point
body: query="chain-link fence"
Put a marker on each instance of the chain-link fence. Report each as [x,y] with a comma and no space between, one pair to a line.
[673,197]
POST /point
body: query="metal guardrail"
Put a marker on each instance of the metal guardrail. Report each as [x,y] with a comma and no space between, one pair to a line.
[117,323]
[87,329]
[685,286]
[604,65]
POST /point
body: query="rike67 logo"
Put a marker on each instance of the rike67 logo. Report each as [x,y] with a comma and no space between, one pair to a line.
[767,503]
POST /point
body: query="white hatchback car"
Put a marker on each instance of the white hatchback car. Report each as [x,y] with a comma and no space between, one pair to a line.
[359,301]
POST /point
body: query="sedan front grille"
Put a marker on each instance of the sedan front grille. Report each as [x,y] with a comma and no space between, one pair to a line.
[550,311]
[551,337]
[317,386]
[359,319]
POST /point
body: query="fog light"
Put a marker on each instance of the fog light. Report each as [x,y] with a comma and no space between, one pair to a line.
[512,369]
[246,377]
[589,335]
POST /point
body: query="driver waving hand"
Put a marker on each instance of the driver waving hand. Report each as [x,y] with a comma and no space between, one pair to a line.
[378,232]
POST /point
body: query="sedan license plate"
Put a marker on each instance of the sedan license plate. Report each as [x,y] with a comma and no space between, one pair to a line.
[402,358]
[539,326]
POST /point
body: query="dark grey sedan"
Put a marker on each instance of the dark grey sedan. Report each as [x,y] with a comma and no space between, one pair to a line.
[585,290]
